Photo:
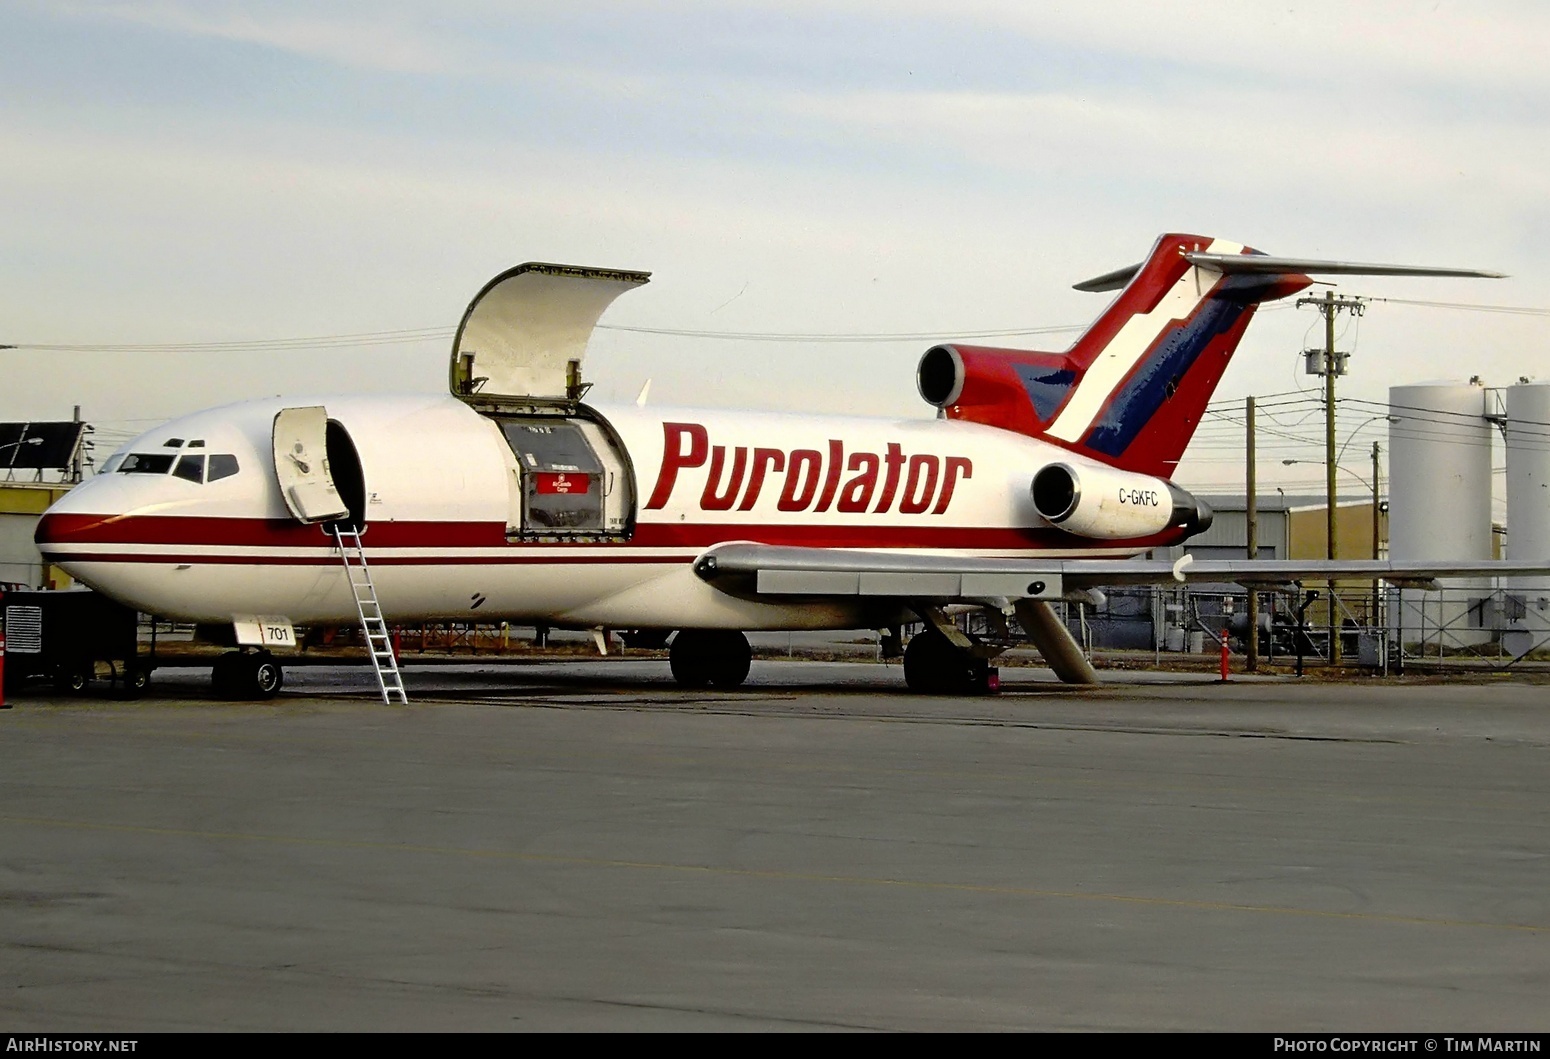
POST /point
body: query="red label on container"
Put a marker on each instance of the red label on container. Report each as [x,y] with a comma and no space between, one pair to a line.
[563,482]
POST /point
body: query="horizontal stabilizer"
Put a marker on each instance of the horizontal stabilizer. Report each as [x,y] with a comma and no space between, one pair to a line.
[1110,280]
[1262,264]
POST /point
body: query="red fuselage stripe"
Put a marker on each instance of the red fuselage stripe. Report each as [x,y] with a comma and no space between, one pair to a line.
[200,532]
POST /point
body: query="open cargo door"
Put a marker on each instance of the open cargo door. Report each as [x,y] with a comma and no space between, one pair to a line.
[523,338]
[301,464]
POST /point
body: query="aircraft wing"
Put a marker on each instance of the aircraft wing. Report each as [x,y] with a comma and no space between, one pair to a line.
[763,569]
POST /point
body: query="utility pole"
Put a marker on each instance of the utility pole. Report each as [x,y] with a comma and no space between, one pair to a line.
[1251,515]
[76,470]
[1329,364]
[1377,529]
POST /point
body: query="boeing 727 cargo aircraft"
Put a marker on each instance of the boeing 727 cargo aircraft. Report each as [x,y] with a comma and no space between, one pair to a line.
[513,499]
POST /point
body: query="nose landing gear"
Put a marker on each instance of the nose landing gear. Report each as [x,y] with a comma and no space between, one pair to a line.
[247,675]
[703,657]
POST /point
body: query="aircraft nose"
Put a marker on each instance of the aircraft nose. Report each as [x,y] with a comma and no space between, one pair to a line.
[58,531]
[83,516]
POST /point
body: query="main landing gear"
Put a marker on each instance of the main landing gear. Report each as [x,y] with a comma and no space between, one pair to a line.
[934,666]
[702,657]
[247,675]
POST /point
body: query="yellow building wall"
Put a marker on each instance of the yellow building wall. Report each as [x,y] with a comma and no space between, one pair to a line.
[1353,533]
[23,502]
[1308,533]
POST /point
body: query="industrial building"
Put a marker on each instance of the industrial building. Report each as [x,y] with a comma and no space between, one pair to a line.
[39,463]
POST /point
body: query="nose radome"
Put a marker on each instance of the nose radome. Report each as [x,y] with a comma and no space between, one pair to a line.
[57,528]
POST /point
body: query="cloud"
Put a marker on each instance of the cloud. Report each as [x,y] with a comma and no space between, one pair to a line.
[944,166]
[385,38]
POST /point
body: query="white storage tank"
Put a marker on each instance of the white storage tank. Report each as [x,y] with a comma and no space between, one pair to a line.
[1440,507]
[1527,599]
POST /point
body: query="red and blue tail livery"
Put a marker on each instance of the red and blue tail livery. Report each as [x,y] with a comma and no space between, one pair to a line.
[1130,392]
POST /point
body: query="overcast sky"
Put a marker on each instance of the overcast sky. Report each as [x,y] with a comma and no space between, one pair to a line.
[198,172]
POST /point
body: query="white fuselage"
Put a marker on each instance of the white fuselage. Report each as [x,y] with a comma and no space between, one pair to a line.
[444,525]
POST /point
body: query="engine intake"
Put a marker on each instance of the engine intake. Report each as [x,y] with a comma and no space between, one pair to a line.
[1109,504]
[940,376]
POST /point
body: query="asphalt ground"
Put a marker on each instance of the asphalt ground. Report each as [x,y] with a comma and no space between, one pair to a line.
[582,846]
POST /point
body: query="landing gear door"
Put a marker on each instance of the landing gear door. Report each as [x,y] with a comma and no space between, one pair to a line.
[301,465]
[522,339]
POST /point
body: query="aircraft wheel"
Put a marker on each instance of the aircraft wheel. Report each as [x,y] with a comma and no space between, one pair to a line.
[246,676]
[701,657]
[224,677]
[731,659]
[933,666]
[267,677]
[689,658]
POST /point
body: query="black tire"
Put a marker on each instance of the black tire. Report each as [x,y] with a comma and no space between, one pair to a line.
[730,659]
[702,657]
[246,676]
[933,666]
[688,659]
[223,675]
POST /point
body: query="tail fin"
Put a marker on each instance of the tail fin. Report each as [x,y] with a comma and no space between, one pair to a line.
[1131,391]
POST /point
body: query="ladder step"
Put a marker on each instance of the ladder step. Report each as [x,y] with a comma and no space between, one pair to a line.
[369,610]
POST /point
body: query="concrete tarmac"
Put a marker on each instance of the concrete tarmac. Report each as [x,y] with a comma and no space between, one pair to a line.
[582,846]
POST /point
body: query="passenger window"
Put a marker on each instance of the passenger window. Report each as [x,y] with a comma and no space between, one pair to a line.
[147,463]
[191,468]
[222,465]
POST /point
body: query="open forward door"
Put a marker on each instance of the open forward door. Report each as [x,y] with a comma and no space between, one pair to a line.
[522,340]
[301,464]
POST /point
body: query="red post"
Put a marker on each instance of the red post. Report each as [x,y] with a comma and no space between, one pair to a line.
[1224,654]
[398,644]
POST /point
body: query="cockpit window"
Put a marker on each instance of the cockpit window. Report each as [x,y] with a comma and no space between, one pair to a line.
[172,443]
[147,463]
[190,468]
[112,464]
[222,466]
[197,443]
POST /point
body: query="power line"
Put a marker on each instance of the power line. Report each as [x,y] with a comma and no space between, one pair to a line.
[1515,310]
[427,334]
[772,336]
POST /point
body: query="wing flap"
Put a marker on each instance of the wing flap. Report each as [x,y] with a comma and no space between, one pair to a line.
[774,570]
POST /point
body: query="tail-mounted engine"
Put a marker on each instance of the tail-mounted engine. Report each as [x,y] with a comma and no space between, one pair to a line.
[1110,504]
[1012,389]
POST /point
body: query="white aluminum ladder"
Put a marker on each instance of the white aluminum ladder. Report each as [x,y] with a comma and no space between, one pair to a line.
[378,643]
